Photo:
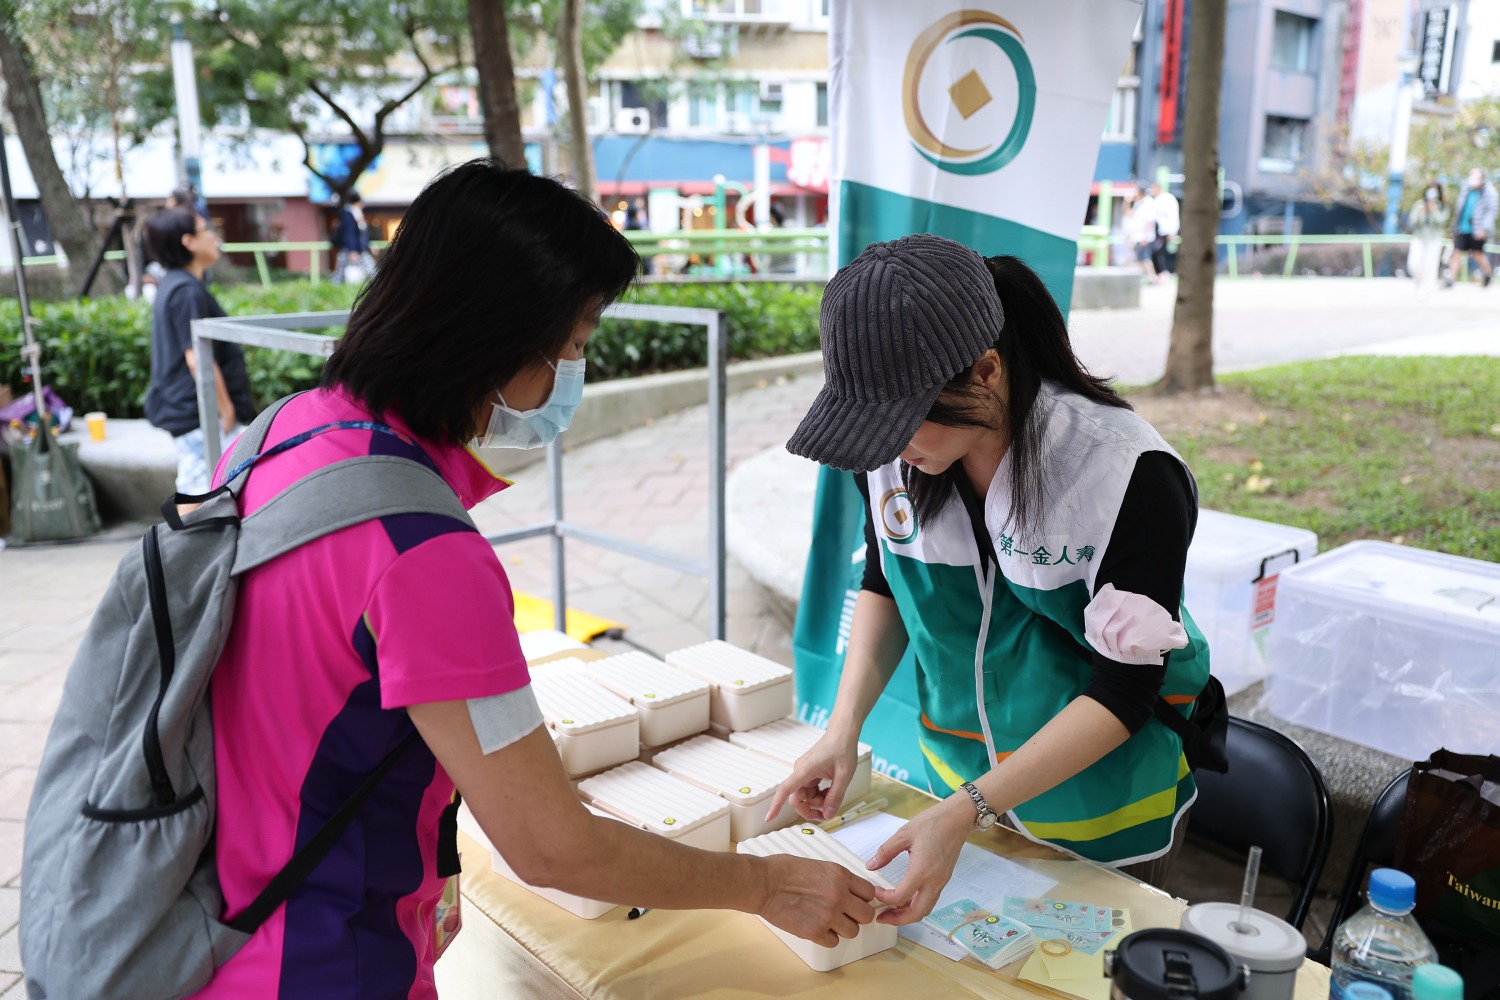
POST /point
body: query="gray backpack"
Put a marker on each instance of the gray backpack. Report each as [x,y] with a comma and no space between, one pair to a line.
[120,897]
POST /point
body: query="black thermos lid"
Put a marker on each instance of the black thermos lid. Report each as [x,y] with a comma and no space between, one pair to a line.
[1162,964]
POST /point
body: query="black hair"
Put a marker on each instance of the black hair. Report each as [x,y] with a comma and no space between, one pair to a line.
[352,198]
[164,233]
[489,268]
[1033,345]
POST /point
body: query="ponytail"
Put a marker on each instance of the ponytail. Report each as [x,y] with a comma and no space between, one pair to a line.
[1033,345]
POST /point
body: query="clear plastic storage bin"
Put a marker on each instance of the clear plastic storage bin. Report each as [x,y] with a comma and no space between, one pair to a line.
[748,690]
[1390,647]
[808,841]
[1230,589]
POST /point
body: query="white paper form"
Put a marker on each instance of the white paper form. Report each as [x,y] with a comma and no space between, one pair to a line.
[979,875]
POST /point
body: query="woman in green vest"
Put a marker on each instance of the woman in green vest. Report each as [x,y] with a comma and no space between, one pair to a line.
[1026,536]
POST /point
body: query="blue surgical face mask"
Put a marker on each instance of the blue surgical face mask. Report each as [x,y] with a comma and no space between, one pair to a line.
[526,429]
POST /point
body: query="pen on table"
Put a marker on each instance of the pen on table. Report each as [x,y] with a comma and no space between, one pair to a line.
[637,911]
[858,812]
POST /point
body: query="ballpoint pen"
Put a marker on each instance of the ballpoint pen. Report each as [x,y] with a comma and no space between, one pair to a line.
[858,812]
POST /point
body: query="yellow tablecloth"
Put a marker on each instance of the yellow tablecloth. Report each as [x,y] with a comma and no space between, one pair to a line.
[516,944]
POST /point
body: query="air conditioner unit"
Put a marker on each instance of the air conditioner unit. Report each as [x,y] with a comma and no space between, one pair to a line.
[633,120]
[771,90]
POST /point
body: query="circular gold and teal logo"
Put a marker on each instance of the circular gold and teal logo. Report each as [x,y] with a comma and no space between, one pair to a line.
[897,518]
[983,132]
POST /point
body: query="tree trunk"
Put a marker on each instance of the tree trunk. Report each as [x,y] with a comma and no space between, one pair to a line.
[23,99]
[497,82]
[1190,354]
[570,47]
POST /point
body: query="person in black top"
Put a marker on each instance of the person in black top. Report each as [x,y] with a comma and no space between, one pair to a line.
[186,246]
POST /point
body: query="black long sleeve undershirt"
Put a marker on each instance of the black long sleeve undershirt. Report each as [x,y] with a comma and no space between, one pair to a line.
[1146,554]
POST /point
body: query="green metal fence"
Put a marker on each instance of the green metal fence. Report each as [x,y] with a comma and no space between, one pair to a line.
[724,252]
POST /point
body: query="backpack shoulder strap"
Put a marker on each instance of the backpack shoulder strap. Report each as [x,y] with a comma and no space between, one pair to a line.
[337,496]
[254,437]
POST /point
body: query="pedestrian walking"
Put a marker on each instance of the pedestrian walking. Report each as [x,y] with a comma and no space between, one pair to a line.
[351,242]
[1474,225]
[1427,222]
[183,242]
[1140,231]
[1168,225]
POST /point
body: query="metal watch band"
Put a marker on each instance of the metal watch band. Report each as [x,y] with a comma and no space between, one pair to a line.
[980,804]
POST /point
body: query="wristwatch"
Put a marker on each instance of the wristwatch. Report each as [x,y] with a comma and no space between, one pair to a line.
[987,817]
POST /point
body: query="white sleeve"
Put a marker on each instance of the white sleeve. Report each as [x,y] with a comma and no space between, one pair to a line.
[501,719]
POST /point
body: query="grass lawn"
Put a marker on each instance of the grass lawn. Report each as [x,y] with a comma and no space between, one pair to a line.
[1400,449]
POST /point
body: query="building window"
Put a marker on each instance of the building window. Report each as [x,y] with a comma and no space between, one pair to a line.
[822,105]
[1121,122]
[1284,143]
[1292,42]
[703,106]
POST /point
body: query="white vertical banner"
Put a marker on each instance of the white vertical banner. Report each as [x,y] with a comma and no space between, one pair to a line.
[980,121]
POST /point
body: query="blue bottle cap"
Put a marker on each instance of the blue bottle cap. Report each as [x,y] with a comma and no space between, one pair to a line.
[1392,890]
[1366,991]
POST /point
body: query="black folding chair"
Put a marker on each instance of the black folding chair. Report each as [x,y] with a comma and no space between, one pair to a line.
[1376,848]
[1273,797]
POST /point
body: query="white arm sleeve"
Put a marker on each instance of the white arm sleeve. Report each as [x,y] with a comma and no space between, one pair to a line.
[501,719]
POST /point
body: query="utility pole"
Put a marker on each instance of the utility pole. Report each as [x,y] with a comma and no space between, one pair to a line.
[189,123]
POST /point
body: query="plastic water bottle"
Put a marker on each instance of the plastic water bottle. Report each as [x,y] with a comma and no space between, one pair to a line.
[1382,943]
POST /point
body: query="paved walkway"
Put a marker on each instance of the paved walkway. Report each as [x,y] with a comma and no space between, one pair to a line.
[651,484]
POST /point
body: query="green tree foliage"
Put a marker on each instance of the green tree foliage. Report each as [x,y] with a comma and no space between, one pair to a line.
[290,65]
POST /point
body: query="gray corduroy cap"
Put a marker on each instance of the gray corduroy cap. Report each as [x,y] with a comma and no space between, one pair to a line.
[897,323]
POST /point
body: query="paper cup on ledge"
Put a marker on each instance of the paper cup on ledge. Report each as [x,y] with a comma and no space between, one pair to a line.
[95,422]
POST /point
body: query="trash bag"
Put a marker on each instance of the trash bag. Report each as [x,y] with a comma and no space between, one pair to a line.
[51,498]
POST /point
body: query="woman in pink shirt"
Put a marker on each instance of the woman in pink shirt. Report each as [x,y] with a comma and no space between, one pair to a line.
[472,332]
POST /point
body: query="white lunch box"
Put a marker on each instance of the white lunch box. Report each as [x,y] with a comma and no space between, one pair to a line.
[579,906]
[653,800]
[594,728]
[743,779]
[672,705]
[787,739]
[807,841]
[748,690]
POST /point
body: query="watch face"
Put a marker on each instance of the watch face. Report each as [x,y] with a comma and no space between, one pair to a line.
[987,820]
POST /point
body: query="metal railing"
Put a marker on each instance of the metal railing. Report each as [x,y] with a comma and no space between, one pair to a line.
[286,333]
[810,248]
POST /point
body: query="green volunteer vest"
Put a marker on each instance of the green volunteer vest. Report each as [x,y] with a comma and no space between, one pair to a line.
[997,658]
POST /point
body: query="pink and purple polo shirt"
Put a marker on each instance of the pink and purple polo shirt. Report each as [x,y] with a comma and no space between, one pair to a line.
[330,644]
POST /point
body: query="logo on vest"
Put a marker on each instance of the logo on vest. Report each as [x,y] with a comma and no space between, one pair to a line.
[897,518]
[981,142]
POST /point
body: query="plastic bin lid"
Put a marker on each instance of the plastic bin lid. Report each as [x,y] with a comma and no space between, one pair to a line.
[731,771]
[1271,945]
[1405,584]
[732,670]
[804,840]
[572,704]
[785,739]
[646,681]
[1227,545]
[652,799]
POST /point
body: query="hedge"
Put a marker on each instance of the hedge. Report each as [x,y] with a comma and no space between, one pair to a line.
[97,353]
